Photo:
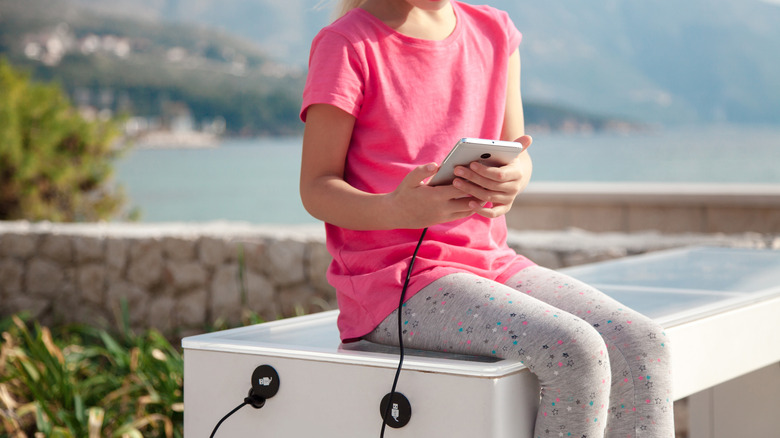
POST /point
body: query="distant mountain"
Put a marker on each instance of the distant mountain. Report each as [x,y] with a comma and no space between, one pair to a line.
[177,76]
[283,28]
[662,61]
[665,60]
[657,61]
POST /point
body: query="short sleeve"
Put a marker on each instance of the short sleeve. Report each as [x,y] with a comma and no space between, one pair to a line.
[335,74]
[514,37]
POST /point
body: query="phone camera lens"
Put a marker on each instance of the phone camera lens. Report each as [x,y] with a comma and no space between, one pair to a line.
[485,156]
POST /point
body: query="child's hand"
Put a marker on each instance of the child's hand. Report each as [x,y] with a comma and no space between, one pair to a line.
[495,188]
[417,205]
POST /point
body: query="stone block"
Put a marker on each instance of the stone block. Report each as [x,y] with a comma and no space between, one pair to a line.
[58,248]
[232,250]
[89,249]
[65,307]
[542,257]
[11,276]
[21,246]
[162,315]
[137,301]
[35,307]
[92,282]
[184,276]
[44,278]
[254,256]
[212,252]
[117,253]
[94,315]
[598,218]
[285,262]
[532,216]
[575,258]
[190,308]
[226,295]
[179,249]
[666,219]
[301,299]
[260,296]
[145,266]
[739,220]
[317,267]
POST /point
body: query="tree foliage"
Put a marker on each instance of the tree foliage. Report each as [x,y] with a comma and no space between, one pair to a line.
[54,164]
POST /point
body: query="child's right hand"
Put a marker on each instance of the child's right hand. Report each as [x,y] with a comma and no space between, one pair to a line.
[418,205]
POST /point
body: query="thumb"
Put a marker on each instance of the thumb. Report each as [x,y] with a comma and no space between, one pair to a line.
[525,140]
[420,173]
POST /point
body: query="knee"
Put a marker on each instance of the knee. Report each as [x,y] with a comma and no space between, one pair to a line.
[657,343]
[586,352]
[643,339]
[650,334]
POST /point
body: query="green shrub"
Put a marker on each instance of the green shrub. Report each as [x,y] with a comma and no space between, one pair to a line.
[54,164]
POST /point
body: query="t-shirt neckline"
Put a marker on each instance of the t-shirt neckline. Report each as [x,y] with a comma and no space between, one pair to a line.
[418,41]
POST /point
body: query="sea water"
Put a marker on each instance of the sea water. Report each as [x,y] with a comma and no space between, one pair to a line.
[256,180]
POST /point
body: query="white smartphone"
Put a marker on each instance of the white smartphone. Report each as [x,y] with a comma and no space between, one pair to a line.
[468,150]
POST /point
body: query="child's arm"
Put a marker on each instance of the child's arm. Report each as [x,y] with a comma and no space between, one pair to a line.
[514,122]
[501,185]
[328,197]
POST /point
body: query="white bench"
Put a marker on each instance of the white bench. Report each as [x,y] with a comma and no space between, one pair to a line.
[721,309]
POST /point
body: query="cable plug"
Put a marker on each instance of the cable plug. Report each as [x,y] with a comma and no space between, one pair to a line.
[265,384]
[254,400]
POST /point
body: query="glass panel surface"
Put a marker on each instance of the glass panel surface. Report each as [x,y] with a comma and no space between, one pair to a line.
[705,269]
[678,285]
[659,304]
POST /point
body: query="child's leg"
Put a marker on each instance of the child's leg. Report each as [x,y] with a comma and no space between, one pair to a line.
[640,403]
[463,313]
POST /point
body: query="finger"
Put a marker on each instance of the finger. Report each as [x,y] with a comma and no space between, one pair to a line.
[489,180]
[492,211]
[497,193]
[419,174]
[450,192]
[506,173]
[453,209]
[463,205]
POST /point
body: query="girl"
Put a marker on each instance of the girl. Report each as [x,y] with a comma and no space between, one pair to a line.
[392,85]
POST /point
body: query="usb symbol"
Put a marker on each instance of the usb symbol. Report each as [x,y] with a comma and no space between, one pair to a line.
[395,412]
[265,381]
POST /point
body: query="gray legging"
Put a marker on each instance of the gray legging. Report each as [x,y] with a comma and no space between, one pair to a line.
[603,368]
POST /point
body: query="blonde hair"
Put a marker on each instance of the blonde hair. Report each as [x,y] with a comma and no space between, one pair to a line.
[345,6]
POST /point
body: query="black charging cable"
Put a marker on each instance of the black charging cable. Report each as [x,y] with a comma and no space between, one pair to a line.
[265,384]
[265,379]
[400,331]
[252,399]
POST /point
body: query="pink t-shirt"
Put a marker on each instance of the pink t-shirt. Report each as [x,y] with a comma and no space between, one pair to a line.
[412,99]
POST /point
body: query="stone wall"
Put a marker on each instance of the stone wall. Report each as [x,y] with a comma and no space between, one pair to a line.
[177,278]
[182,278]
[633,207]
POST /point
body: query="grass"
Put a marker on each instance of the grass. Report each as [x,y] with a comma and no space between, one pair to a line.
[83,382]
[80,381]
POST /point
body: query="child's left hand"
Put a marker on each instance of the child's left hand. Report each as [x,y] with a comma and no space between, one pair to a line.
[495,188]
